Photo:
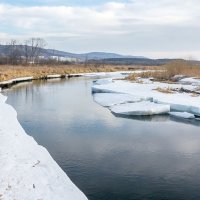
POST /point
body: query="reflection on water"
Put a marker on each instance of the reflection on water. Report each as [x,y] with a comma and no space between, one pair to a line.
[109,157]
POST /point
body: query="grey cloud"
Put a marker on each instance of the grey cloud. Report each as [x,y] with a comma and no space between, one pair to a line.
[143,26]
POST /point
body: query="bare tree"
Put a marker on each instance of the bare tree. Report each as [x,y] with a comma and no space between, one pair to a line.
[26,51]
[14,52]
[33,49]
[86,61]
[37,44]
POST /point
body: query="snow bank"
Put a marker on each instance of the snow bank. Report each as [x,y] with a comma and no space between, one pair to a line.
[117,74]
[54,76]
[110,99]
[140,108]
[191,81]
[27,171]
[103,81]
[184,115]
[182,102]
[16,80]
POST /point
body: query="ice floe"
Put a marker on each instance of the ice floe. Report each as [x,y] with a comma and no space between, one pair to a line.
[178,101]
[184,115]
[192,81]
[140,108]
[103,81]
[110,99]
[27,171]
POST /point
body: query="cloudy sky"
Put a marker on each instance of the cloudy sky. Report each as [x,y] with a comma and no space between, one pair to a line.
[153,28]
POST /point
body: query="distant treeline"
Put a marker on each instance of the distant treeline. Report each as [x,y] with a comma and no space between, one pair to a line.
[133,61]
[30,52]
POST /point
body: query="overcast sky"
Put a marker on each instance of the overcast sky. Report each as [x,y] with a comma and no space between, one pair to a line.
[152,28]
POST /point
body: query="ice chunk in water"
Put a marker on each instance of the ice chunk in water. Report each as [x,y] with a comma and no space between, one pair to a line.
[140,108]
[103,81]
[110,99]
[184,115]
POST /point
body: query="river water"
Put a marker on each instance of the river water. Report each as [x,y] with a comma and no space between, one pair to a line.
[109,157]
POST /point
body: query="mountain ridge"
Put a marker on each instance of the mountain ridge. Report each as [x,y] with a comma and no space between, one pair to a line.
[4,50]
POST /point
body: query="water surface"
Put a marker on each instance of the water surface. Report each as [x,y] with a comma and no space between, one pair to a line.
[109,157]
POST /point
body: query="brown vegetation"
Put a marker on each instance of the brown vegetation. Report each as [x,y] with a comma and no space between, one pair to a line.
[197,88]
[10,72]
[165,90]
[168,71]
[194,95]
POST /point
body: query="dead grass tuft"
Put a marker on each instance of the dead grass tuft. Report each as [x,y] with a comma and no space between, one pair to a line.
[194,95]
[165,90]
[197,88]
[171,69]
[132,77]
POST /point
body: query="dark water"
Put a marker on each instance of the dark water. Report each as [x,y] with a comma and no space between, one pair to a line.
[108,157]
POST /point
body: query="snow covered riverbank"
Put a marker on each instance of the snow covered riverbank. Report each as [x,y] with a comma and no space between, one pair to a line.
[9,83]
[125,92]
[27,171]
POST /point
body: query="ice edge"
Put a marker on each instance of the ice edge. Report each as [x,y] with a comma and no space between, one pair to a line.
[27,169]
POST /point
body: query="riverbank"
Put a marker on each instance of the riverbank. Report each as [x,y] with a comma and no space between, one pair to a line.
[37,72]
[11,82]
[10,75]
[27,169]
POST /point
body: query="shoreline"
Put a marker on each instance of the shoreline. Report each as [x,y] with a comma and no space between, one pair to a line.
[17,178]
[12,82]
[27,169]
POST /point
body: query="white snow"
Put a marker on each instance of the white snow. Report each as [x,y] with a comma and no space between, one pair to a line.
[103,81]
[184,115]
[182,102]
[110,99]
[191,81]
[54,76]
[117,74]
[27,171]
[140,108]
[16,80]
[144,80]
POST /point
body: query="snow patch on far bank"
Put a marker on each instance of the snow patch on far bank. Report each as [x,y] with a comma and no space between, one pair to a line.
[16,80]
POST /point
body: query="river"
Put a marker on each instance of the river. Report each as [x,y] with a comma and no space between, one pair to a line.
[109,157]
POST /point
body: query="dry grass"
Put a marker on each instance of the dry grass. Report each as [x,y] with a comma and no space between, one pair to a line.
[165,90]
[132,77]
[197,88]
[168,71]
[194,95]
[10,72]
[182,68]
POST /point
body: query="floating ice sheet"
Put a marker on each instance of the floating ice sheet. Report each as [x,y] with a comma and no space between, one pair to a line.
[140,108]
[110,99]
[184,115]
